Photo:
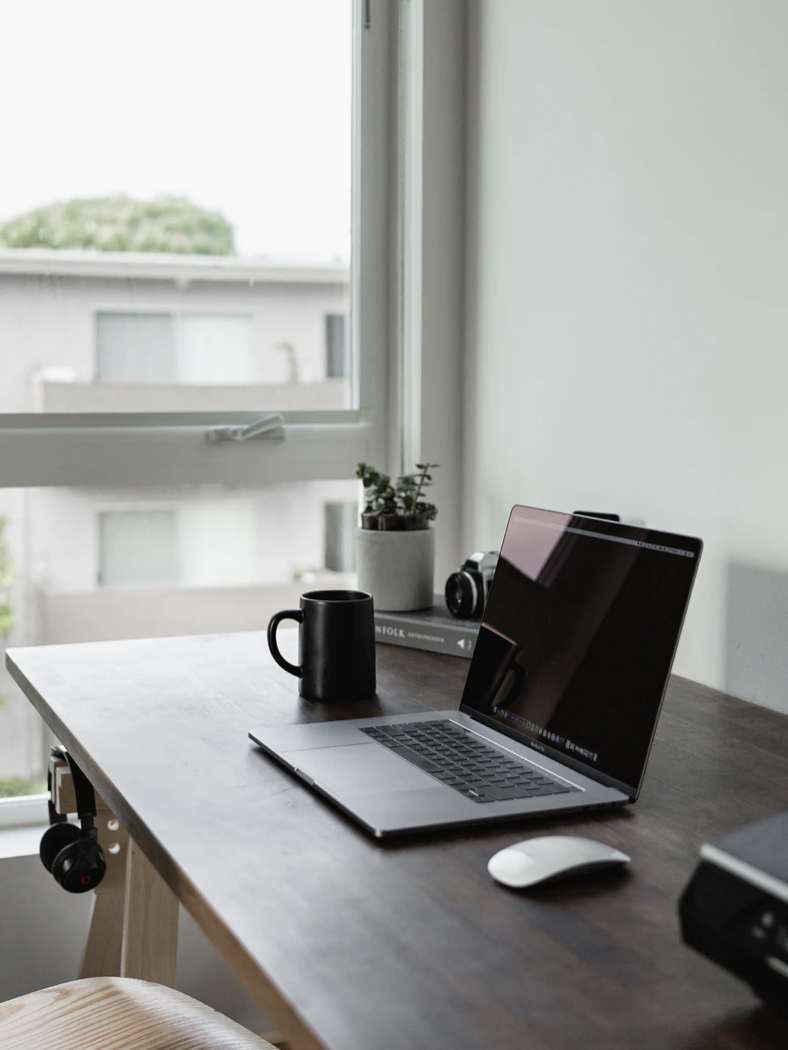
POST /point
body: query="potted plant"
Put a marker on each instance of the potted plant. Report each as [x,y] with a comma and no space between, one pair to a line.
[395,545]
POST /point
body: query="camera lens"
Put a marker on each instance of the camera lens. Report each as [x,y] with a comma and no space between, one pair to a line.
[461,595]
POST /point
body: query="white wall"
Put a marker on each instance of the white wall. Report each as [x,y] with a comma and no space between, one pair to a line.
[627,289]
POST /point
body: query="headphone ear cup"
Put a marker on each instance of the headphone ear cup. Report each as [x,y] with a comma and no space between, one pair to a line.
[78,874]
[55,838]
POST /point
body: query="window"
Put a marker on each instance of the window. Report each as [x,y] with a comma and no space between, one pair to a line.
[215,349]
[135,348]
[198,543]
[336,346]
[212,349]
[229,239]
[341,521]
[137,548]
[256,334]
[102,563]
[120,362]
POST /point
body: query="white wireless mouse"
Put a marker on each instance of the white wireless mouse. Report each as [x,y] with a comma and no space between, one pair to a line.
[550,857]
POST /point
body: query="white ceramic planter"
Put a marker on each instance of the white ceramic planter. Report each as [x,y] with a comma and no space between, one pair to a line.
[397,568]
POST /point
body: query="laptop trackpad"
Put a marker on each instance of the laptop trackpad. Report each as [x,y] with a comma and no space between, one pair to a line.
[359,767]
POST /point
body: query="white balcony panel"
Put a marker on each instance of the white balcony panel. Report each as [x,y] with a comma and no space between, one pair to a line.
[155,612]
[331,395]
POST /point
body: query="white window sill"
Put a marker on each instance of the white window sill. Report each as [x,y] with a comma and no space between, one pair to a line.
[21,842]
[23,811]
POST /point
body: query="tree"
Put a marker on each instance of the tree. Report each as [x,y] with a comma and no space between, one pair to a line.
[122,224]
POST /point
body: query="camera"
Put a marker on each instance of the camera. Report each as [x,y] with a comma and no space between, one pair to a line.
[467,590]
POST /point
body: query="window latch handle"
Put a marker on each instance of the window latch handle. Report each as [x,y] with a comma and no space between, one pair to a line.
[270,427]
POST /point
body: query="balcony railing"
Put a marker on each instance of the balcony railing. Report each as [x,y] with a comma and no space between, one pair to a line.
[109,614]
[53,396]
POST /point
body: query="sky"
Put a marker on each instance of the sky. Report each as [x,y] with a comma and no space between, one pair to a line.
[243,106]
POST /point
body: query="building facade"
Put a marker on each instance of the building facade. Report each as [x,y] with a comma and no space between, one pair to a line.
[89,332]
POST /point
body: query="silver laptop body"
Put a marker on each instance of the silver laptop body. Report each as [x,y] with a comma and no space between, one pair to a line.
[563,691]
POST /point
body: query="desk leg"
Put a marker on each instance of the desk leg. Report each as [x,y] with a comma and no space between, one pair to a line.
[134,920]
[150,923]
[103,948]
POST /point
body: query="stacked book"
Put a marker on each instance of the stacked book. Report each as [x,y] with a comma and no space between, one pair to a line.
[433,629]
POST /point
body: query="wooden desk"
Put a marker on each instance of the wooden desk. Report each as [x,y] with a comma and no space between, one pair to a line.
[353,944]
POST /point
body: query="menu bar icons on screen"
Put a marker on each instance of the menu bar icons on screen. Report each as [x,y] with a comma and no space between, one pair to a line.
[546,734]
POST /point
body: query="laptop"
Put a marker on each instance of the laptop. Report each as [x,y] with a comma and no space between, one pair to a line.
[562,697]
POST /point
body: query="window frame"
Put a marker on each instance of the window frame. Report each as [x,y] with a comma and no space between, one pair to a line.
[395,415]
[65,449]
[23,811]
[129,449]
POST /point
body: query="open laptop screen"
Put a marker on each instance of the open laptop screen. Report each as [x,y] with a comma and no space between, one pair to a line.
[578,636]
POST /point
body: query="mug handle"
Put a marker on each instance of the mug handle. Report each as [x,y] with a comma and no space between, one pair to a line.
[286,614]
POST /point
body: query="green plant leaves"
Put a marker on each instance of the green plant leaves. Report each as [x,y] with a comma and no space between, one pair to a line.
[403,498]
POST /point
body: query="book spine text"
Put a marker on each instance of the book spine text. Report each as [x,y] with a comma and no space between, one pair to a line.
[424,636]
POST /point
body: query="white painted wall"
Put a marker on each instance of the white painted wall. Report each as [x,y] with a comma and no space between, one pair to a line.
[627,288]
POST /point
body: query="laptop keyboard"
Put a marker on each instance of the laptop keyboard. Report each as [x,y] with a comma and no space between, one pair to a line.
[463,762]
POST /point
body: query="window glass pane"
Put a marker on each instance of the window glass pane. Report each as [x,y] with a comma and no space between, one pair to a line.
[137,548]
[135,348]
[99,564]
[177,241]
[341,521]
[216,349]
[217,543]
[336,346]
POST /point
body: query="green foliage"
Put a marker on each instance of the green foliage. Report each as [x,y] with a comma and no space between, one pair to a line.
[15,786]
[403,499]
[122,224]
[410,488]
[379,494]
[6,580]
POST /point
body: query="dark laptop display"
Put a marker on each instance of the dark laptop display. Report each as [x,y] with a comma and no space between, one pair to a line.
[562,695]
[578,637]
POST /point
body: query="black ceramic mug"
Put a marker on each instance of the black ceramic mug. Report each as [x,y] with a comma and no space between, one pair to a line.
[336,645]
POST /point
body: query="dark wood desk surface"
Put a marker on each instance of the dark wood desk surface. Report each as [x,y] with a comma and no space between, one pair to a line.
[352,944]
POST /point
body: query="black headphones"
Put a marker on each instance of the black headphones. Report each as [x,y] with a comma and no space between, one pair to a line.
[72,853]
